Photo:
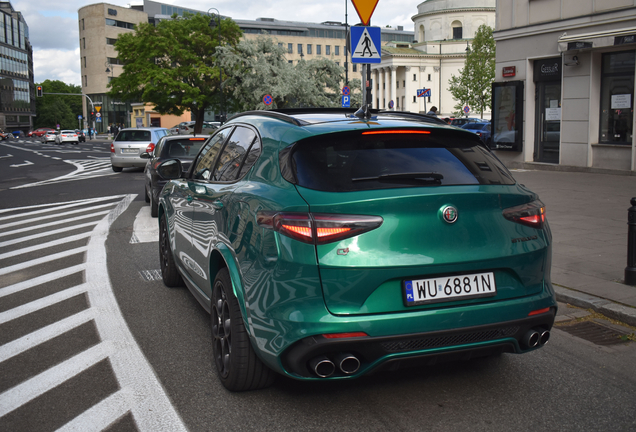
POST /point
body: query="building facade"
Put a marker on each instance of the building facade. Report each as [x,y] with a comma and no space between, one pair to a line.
[100,25]
[573,64]
[444,30]
[17,88]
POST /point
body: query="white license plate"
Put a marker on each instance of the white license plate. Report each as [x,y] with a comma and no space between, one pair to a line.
[130,150]
[448,288]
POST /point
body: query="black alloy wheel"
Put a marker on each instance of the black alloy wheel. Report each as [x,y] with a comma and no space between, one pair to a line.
[237,365]
[169,273]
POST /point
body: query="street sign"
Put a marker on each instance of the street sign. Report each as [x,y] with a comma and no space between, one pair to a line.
[391,104]
[346,90]
[346,101]
[98,115]
[79,117]
[267,99]
[424,92]
[466,109]
[366,44]
[365,9]
[98,108]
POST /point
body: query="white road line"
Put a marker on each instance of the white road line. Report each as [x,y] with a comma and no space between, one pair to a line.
[26,264]
[45,245]
[41,303]
[49,379]
[25,221]
[59,222]
[99,417]
[60,206]
[44,334]
[44,234]
[145,227]
[59,274]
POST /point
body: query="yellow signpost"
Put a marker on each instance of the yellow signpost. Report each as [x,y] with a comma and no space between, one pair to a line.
[365,9]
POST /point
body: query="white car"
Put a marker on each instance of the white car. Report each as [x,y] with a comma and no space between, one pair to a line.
[67,136]
[49,136]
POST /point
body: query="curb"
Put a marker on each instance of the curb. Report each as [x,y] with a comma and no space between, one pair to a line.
[610,309]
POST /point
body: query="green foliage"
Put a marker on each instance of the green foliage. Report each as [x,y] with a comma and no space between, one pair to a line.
[52,110]
[259,67]
[174,65]
[474,84]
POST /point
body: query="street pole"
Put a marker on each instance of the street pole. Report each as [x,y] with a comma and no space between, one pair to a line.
[212,25]
[347,43]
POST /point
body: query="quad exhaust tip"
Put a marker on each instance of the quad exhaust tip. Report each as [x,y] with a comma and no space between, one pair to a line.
[322,366]
[347,363]
[536,337]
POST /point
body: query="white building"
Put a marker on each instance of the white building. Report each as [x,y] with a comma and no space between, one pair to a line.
[444,30]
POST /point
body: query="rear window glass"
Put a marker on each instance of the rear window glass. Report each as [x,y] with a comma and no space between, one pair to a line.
[183,148]
[133,135]
[476,126]
[353,162]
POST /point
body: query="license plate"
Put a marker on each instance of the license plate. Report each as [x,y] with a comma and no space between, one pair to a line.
[449,288]
[130,150]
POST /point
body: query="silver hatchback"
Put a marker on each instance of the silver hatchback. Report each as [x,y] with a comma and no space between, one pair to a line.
[130,143]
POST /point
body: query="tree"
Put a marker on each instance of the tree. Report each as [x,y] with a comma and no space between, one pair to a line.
[174,65]
[473,86]
[258,67]
[52,109]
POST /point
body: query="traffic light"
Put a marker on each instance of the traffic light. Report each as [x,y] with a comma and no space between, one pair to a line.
[39,91]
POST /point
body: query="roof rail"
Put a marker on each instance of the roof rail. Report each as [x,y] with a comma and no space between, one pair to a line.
[415,116]
[271,113]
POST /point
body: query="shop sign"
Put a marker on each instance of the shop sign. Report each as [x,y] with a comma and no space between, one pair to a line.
[509,71]
[621,101]
[623,40]
[579,45]
[547,69]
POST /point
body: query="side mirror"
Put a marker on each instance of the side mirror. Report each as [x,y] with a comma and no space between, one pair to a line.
[145,155]
[170,169]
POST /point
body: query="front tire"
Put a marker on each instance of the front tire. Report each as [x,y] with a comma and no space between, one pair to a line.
[117,169]
[169,273]
[154,206]
[237,365]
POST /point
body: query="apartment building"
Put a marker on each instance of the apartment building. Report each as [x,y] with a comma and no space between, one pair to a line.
[564,91]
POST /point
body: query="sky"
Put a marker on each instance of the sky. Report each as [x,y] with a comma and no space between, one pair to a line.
[54,30]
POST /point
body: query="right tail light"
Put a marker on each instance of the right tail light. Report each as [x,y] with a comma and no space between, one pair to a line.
[531,214]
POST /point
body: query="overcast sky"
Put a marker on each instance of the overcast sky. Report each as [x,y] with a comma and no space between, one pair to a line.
[54,32]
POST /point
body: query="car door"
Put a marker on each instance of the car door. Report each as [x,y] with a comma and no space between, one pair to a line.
[213,216]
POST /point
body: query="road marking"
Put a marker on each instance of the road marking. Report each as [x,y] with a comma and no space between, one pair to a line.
[58,274]
[7,156]
[145,227]
[26,163]
[45,245]
[102,415]
[85,169]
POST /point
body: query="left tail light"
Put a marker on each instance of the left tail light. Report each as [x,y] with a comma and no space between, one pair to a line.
[150,148]
[112,148]
[531,214]
[317,228]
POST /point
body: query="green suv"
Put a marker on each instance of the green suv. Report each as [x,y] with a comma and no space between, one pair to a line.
[326,246]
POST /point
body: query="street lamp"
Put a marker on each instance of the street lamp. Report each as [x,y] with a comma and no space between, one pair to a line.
[213,25]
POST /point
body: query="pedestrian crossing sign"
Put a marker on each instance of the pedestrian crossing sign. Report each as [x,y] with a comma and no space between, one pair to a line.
[366,44]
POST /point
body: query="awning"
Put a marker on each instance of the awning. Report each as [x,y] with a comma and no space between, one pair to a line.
[586,41]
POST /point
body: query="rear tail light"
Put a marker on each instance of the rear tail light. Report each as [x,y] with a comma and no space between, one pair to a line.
[150,148]
[112,148]
[317,228]
[531,214]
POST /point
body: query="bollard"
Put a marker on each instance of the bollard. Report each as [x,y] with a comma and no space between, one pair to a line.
[630,270]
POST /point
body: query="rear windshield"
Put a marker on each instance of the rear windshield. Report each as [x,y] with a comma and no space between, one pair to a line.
[475,126]
[133,135]
[352,162]
[184,148]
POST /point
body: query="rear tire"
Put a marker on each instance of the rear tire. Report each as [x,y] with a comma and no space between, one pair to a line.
[237,365]
[146,197]
[169,273]
[154,206]
[117,169]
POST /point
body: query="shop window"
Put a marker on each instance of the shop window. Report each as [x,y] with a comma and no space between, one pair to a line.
[617,98]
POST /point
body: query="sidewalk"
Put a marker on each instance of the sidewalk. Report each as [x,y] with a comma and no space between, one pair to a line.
[587,213]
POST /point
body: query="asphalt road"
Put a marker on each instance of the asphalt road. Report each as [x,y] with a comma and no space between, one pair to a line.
[141,360]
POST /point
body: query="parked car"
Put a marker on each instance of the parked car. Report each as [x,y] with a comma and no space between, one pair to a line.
[130,143]
[81,137]
[49,136]
[463,120]
[65,136]
[187,128]
[327,246]
[481,129]
[5,135]
[39,132]
[18,134]
[182,147]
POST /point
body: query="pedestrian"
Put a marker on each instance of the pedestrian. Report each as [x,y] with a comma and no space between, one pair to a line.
[90,132]
[433,111]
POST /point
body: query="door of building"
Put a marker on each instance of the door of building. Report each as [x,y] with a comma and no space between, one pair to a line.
[547,137]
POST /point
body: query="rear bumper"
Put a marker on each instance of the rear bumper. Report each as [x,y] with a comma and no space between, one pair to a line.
[391,352]
[127,161]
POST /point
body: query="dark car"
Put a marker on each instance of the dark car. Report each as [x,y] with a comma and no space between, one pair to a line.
[182,147]
[482,129]
[328,245]
[81,137]
[460,121]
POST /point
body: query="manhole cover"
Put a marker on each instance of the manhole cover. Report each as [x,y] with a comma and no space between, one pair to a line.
[595,333]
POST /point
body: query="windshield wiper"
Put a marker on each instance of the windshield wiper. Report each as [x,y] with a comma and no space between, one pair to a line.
[423,176]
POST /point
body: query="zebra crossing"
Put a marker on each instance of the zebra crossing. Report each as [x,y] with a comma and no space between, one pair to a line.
[52,255]
[84,169]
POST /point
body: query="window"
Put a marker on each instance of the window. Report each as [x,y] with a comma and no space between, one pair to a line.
[319,49]
[617,98]
[290,48]
[457,29]
[231,160]
[308,48]
[83,24]
[429,77]
[414,77]
[337,48]
[428,99]
[327,49]
[355,67]
[84,61]
[203,166]
[290,61]
[403,83]
[84,43]
[300,48]
[280,44]
[397,84]
[109,41]
[414,99]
